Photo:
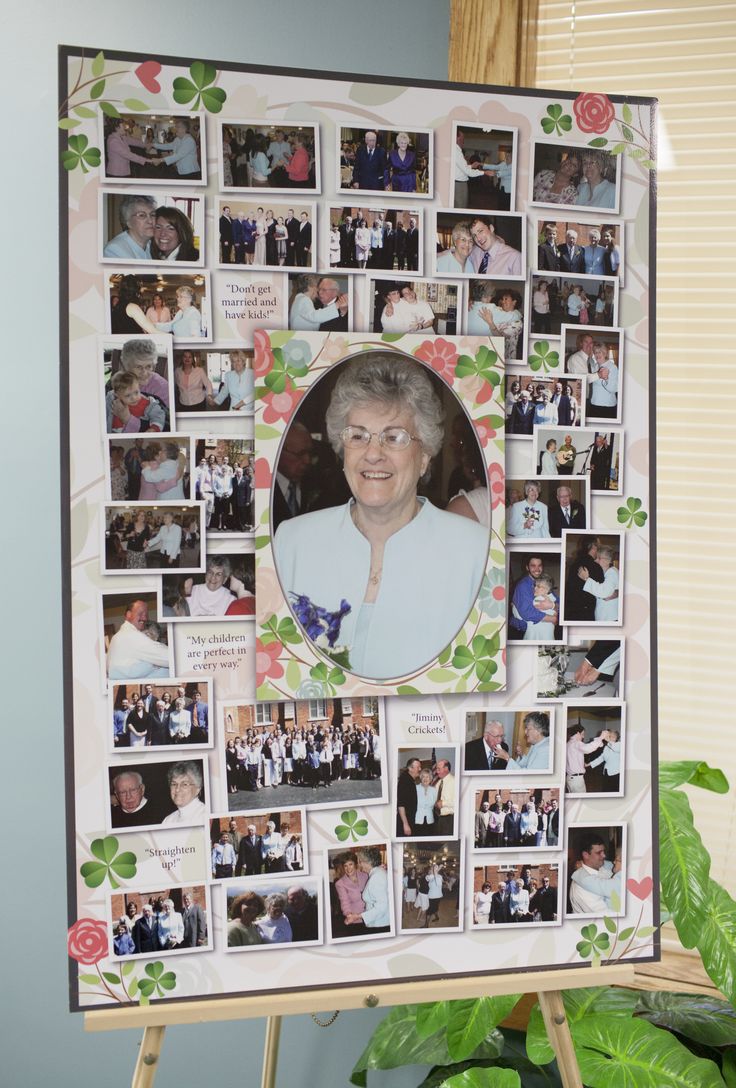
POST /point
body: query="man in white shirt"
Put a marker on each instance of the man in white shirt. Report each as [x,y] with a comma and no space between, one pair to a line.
[582,360]
[167,540]
[138,219]
[132,655]
[463,171]
[446,793]
[595,884]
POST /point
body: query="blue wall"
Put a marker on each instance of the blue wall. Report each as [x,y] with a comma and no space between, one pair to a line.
[43,1043]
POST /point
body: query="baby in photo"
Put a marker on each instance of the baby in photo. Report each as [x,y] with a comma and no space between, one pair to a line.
[128,410]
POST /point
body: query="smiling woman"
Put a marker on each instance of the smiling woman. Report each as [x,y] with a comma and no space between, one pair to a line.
[362,577]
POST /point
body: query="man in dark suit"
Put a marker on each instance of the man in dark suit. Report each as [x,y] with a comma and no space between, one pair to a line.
[370,164]
[553,824]
[195,927]
[412,246]
[303,243]
[400,247]
[406,799]
[548,254]
[249,854]
[292,228]
[347,243]
[328,290]
[500,905]
[239,238]
[159,724]
[562,402]
[242,492]
[521,420]
[199,711]
[579,605]
[389,244]
[479,754]
[512,827]
[565,512]
[545,901]
[572,257]
[301,910]
[600,464]
[290,496]
[144,931]
[226,234]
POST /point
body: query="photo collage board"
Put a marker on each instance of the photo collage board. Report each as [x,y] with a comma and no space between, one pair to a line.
[357,439]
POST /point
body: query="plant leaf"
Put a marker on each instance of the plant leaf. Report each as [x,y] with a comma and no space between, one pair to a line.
[717,939]
[694,772]
[578,1003]
[700,1017]
[728,1068]
[684,865]
[470,1022]
[432,1016]
[489,1077]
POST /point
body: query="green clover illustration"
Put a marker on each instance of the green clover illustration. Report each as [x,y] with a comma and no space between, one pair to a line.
[123,865]
[543,358]
[593,942]
[556,120]
[483,365]
[80,154]
[478,657]
[288,362]
[157,983]
[198,89]
[351,827]
[331,678]
[632,513]
[284,631]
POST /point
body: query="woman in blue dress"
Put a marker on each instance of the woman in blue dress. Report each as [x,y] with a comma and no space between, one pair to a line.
[401,169]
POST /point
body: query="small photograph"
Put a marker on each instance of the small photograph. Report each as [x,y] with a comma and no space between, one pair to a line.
[513,894]
[152,537]
[535,579]
[599,355]
[496,308]
[315,752]
[157,469]
[596,870]
[161,148]
[480,244]
[358,882]
[175,712]
[589,452]
[590,669]
[256,156]
[484,167]
[541,507]
[136,646]
[593,249]
[281,236]
[594,750]
[385,160]
[151,226]
[517,818]
[136,383]
[399,306]
[509,741]
[279,912]
[426,792]
[225,590]
[390,239]
[171,793]
[550,401]
[223,480]
[432,881]
[563,299]
[160,921]
[259,844]
[212,381]
[319,303]
[593,581]
[575,175]
[178,304]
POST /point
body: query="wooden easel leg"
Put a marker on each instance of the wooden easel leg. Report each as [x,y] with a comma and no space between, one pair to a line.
[558,1033]
[271,1052]
[148,1056]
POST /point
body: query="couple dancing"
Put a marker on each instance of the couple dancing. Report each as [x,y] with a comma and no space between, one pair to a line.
[361,885]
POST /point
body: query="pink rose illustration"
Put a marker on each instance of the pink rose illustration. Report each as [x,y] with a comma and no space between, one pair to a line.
[267,663]
[87,941]
[593,112]
[281,405]
[262,355]
[441,355]
[497,485]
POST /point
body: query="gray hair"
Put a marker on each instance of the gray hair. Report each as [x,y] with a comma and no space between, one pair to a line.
[539,720]
[276,898]
[393,381]
[186,767]
[534,484]
[370,854]
[128,205]
[219,562]
[127,774]
[135,350]
[463,227]
[605,552]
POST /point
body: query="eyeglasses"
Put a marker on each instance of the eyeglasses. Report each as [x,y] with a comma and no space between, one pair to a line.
[392,438]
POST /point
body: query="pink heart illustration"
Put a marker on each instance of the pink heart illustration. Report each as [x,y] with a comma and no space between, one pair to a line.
[147,73]
[642,889]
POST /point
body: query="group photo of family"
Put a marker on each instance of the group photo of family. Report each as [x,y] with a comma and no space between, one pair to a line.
[531,402]
[496,308]
[152,226]
[306,752]
[275,913]
[136,646]
[594,749]
[431,886]
[578,176]
[386,238]
[426,793]
[509,740]
[160,921]
[158,147]
[156,536]
[480,245]
[170,793]
[558,300]
[136,383]
[224,478]
[156,469]
[596,870]
[258,156]
[516,895]
[586,452]
[517,818]
[543,507]
[592,249]
[590,669]
[484,167]
[599,355]
[534,593]
[401,306]
[593,588]
[281,236]
[161,714]
[176,304]
[213,381]
[361,900]
[319,303]
[224,590]
[258,844]
[385,160]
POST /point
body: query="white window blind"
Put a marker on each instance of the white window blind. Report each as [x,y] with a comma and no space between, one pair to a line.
[684,54]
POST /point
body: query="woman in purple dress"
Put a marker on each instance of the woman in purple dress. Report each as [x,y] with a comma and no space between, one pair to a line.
[401,169]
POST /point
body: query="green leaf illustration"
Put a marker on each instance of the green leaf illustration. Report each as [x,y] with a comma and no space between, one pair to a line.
[627,114]
[627,133]
[598,141]
[631,514]
[158,981]
[556,120]
[478,657]
[98,64]
[198,90]
[109,862]
[109,110]
[392,337]
[97,89]
[484,365]
[89,980]
[617,149]
[114,980]
[68,122]
[351,827]
[84,111]
[543,357]
[80,154]
[134,104]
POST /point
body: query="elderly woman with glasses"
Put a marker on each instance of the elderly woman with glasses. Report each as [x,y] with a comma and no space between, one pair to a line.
[366,576]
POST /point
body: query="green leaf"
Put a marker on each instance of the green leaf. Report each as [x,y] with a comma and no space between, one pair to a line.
[111,978]
[548,125]
[155,970]
[84,111]
[342,832]
[590,1001]
[319,672]
[293,674]
[97,89]
[109,110]
[133,986]
[626,113]
[717,939]
[470,1022]
[555,111]
[89,980]
[633,504]
[462,658]
[489,1077]
[565,122]
[432,1016]
[360,827]
[69,160]
[598,141]
[391,337]
[407,689]
[98,64]
[104,849]
[93,873]
[168,981]
[627,133]
[202,73]
[684,865]
[439,676]
[700,1017]
[694,772]
[127,968]
[640,518]
[616,149]
[609,924]
[213,99]
[134,104]
[276,380]
[68,122]
[728,1068]
[626,933]
[184,91]
[613,1052]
